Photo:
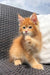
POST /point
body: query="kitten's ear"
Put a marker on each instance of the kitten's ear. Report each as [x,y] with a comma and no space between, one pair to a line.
[33,17]
[20,18]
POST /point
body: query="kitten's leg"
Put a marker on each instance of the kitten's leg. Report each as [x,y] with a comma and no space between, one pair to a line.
[17,62]
[37,44]
[34,63]
[31,40]
[10,59]
[34,42]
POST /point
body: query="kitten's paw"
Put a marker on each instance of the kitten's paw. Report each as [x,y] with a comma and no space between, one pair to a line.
[17,62]
[28,39]
[38,66]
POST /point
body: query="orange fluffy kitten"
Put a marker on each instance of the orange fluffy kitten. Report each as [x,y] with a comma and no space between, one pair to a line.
[27,46]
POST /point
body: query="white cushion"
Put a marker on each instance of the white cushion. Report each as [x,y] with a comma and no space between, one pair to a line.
[44,22]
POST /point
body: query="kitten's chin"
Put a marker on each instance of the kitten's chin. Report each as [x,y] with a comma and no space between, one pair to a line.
[25,34]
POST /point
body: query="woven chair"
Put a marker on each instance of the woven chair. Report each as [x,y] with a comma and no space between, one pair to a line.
[9,30]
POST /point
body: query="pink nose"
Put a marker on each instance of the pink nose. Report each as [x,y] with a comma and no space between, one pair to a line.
[26,31]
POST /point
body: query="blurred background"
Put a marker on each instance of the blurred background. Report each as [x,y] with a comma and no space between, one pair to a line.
[38,6]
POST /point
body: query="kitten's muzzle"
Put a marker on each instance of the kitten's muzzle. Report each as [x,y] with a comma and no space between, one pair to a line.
[25,31]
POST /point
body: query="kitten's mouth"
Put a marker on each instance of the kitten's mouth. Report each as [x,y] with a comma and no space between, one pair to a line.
[26,33]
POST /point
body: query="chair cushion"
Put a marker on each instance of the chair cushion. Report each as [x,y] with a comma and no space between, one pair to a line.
[7,68]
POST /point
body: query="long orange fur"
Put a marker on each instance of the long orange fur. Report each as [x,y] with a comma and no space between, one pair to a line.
[25,48]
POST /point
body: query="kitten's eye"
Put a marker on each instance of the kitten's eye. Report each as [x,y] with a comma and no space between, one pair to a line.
[30,27]
[24,27]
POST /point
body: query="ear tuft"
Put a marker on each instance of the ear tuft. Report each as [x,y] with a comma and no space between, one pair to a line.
[20,18]
[34,18]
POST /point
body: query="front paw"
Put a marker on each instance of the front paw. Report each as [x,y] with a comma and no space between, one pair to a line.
[38,66]
[17,62]
[28,39]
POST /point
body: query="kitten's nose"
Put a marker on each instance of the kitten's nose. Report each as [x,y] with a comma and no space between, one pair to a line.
[26,31]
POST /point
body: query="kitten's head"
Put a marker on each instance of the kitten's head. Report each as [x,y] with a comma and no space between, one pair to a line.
[28,25]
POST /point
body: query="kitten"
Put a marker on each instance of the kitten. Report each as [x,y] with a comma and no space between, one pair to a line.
[27,46]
